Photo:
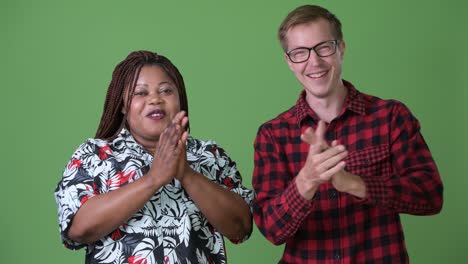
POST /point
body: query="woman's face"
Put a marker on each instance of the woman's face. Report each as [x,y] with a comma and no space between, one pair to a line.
[154,104]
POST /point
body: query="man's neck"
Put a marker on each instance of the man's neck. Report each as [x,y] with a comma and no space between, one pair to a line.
[329,107]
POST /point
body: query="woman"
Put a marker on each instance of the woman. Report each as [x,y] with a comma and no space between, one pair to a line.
[143,190]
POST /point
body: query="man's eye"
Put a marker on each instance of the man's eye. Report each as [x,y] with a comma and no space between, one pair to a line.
[325,47]
[301,52]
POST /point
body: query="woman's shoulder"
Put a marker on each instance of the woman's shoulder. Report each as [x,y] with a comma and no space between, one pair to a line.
[197,142]
[90,146]
[209,147]
[198,146]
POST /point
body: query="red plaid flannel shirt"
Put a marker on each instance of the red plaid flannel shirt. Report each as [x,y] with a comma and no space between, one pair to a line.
[385,148]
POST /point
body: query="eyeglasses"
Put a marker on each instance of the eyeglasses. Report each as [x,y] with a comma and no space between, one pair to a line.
[323,49]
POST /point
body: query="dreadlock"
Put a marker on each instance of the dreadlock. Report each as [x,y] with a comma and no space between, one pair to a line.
[125,76]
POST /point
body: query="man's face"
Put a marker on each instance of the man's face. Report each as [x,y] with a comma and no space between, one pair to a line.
[320,76]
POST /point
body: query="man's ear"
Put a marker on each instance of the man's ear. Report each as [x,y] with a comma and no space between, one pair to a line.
[288,61]
[342,47]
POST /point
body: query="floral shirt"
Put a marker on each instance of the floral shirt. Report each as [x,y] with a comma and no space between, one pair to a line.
[169,228]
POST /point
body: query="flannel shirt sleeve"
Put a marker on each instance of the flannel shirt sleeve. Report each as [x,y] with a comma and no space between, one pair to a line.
[415,186]
[279,209]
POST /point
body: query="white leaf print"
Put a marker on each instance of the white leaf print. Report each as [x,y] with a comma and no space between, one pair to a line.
[70,171]
[207,159]
[184,230]
[169,244]
[143,253]
[74,193]
[109,252]
[143,223]
[214,242]
[103,168]
[196,218]
[104,173]
[170,226]
[218,245]
[201,257]
[230,172]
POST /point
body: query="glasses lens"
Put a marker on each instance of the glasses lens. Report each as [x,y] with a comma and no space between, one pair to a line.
[299,55]
[326,49]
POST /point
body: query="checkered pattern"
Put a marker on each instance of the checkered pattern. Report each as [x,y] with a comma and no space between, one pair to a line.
[385,148]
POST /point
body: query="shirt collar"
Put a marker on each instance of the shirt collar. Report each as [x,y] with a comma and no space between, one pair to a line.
[125,138]
[354,102]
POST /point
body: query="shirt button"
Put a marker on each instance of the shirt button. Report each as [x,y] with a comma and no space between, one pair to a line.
[337,256]
[333,194]
[317,196]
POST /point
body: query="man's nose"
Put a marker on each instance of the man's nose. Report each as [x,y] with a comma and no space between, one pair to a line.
[314,59]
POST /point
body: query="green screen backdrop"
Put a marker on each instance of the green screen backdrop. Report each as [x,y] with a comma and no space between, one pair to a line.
[57,58]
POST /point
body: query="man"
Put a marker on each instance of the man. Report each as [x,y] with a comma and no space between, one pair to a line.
[333,172]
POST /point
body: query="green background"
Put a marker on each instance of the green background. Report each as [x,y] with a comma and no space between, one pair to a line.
[56,59]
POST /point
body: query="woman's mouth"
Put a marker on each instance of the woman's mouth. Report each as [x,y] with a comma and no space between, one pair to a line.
[157,114]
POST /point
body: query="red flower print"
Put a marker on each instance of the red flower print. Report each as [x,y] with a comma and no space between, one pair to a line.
[95,189]
[74,163]
[103,151]
[229,183]
[116,235]
[121,178]
[84,199]
[137,260]
[214,149]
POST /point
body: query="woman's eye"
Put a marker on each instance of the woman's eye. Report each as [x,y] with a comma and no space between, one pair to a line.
[139,93]
[168,90]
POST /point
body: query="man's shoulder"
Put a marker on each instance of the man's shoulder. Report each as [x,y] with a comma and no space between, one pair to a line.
[375,103]
[282,119]
[370,100]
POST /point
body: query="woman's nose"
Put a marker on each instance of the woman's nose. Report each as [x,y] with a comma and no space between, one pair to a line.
[155,98]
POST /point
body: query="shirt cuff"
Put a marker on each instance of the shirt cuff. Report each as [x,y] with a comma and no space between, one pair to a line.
[375,190]
[295,203]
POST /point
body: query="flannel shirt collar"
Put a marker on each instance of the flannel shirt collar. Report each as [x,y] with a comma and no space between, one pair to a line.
[354,102]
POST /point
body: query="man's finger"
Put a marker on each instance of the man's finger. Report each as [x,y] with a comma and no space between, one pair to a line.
[308,136]
[320,131]
[326,176]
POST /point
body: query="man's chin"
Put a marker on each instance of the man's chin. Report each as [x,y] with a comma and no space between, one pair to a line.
[319,91]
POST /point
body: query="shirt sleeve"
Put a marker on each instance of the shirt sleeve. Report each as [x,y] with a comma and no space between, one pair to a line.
[279,209]
[73,190]
[214,162]
[229,177]
[414,185]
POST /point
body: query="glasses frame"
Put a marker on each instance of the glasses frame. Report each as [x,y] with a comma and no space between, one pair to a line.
[334,41]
